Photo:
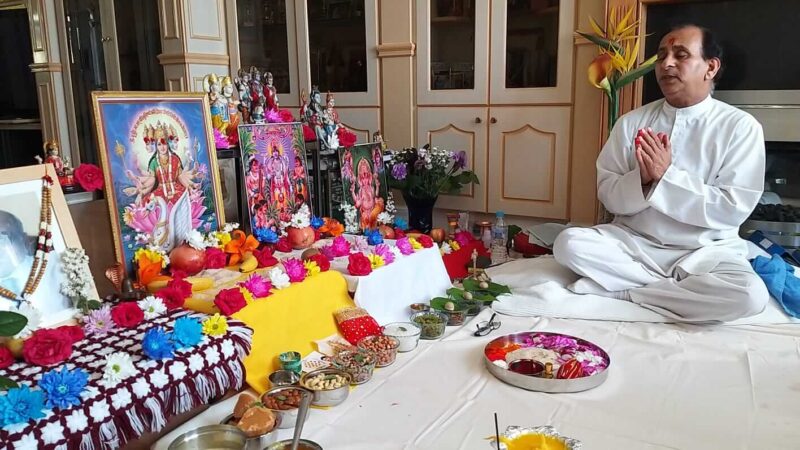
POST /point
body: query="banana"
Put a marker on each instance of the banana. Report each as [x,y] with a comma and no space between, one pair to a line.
[200,283]
[249,264]
[158,284]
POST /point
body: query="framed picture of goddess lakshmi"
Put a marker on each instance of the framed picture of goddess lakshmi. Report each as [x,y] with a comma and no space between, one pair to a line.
[364,182]
[276,180]
[159,161]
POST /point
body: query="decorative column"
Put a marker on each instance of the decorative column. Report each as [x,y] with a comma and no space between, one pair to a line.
[194,42]
[396,54]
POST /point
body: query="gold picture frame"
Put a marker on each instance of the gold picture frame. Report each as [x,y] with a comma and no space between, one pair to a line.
[20,189]
[154,147]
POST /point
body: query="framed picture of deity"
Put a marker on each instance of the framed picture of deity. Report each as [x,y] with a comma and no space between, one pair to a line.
[364,183]
[159,161]
[276,179]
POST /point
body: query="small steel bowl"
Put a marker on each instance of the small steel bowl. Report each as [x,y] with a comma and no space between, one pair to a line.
[283,378]
[419,307]
[258,442]
[303,444]
[212,436]
[288,417]
[328,397]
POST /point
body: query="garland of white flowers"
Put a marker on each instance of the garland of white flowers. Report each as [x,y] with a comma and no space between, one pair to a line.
[78,283]
[350,218]
[387,216]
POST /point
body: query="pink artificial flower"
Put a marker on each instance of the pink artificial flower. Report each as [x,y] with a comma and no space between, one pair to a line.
[360,244]
[384,252]
[273,116]
[405,246]
[328,251]
[257,285]
[340,246]
[463,238]
[220,140]
[295,269]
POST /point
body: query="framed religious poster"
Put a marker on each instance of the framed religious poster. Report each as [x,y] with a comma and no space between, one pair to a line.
[364,183]
[159,161]
[30,205]
[276,180]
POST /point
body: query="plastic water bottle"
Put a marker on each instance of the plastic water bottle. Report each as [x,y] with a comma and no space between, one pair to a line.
[499,239]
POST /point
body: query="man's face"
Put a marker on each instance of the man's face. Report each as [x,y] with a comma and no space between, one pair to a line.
[683,75]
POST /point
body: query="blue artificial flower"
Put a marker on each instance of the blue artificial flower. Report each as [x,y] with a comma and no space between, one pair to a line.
[20,405]
[187,332]
[401,223]
[374,237]
[63,387]
[157,344]
[266,235]
[317,222]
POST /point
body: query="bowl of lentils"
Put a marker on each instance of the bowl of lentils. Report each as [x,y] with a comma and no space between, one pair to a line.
[358,363]
[432,323]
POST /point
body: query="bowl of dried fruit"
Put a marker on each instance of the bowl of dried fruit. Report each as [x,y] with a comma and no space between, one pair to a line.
[284,401]
[330,386]
[384,347]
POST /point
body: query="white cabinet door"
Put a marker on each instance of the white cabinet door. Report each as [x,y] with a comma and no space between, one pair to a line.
[452,52]
[529,160]
[458,128]
[361,121]
[531,51]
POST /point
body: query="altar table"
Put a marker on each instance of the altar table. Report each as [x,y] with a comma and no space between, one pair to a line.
[669,387]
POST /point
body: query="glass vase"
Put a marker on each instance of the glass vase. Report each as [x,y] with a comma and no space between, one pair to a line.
[420,212]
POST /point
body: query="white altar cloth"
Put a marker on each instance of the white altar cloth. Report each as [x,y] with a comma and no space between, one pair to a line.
[670,386]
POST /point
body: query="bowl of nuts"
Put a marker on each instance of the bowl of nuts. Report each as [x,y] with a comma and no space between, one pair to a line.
[358,363]
[432,323]
[330,386]
[384,347]
[284,401]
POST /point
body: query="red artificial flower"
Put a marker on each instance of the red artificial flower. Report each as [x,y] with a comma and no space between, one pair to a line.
[358,265]
[283,245]
[74,332]
[265,258]
[317,234]
[90,177]
[346,137]
[127,315]
[321,260]
[399,234]
[230,301]
[182,286]
[233,137]
[172,297]
[177,273]
[286,116]
[6,357]
[309,134]
[425,240]
[215,258]
[47,347]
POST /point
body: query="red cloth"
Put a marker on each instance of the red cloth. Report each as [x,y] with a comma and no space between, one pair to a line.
[457,262]
[357,328]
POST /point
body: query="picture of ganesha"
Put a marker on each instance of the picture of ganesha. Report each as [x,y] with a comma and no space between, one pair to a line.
[365,188]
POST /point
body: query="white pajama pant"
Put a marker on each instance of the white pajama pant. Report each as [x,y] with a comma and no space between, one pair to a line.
[687,285]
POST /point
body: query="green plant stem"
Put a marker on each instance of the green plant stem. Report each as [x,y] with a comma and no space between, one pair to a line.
[613,109]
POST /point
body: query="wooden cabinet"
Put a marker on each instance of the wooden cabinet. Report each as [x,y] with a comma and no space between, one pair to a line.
[495,78]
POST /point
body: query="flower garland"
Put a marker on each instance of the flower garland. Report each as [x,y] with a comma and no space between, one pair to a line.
[78,282]
[350,218]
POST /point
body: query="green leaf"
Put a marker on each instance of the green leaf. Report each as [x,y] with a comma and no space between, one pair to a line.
[600,41]
[439,302]
[483,296]
[498,289]
[471,284]
[456,294]
[636,73]
[11,323]
[94,304]
[7,383]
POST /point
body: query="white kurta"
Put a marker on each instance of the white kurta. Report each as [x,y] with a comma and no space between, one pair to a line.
[675,244]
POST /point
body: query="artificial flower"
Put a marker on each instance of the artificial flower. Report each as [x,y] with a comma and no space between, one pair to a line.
[63,387]
[239,245]
[99,321]
[215,258]
[328,251]
[463,238]
[311,268]
[273,116]
[459,159]
[404,244]
[151,254]
[257,285]
[196,240]
[265,235]
[385,218]
[90,177]
[376,260]
[265,258]
[401,223]
[399,234]
[127,315]
[220,140]
[152,307]
[77,284]
[308,133]
[215,325]
[183,286]
[230,301]
[172,297]
[278,278]
[317,222]
[360,244]
[374,237]
[223,238]
[147,269]
[359,265]
[6,357]
[301,218]
[178,273]
[47,347]
[157,344]
[340,246]
[322,261]
[294,269]
[317,234]
[283,245]
[454,245]
[187,332]
[20,405]
[332,227]
[399,171]
[32,314]
[346,137]
[425,241]
[396,252]
[385,252]
[286,116]
[445,249]
[415,244]
[119,366]
[74,332]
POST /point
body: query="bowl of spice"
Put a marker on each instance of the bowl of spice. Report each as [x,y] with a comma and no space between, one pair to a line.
[384,347]
[407,333]
[284,401]
[358,363]
[432,323]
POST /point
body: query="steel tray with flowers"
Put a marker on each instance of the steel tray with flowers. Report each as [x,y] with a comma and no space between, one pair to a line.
[577,364]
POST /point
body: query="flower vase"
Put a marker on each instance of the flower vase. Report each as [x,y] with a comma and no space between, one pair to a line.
[420,212]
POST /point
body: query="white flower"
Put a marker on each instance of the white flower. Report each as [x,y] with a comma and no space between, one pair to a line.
[212,356]
[152,307]
[195,240]
[278,278]
[390,208]
[52,433]
[446,249]
[121,399]
[77,421]
[396,252]
[159,378]
[119,366]
[141,387]
[142,238]
[230,226]
[178,370]
[27,442]
[385,218]
[589,357]
[34,318]
[196,362]
[227,348]
[99,410]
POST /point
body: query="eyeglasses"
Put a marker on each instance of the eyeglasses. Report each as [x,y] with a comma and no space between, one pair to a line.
[486,327]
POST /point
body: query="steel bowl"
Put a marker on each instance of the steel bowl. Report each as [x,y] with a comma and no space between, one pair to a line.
[218,437]
[303,444]
[328,397]
[283,378]
[258,442]
[288,417]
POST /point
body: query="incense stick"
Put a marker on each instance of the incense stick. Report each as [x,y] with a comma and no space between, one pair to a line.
[496,432]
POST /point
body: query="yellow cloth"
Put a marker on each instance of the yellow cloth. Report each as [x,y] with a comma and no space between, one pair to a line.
[288,320]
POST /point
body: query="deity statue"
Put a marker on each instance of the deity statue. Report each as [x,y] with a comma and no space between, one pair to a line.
[52,155]
[232,105]
[270,92]
[220,116]
[303,106]
[258,113]
[245,100]
[330,123]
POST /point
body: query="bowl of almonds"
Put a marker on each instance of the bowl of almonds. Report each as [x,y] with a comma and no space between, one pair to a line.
[384,347]
[330,386]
